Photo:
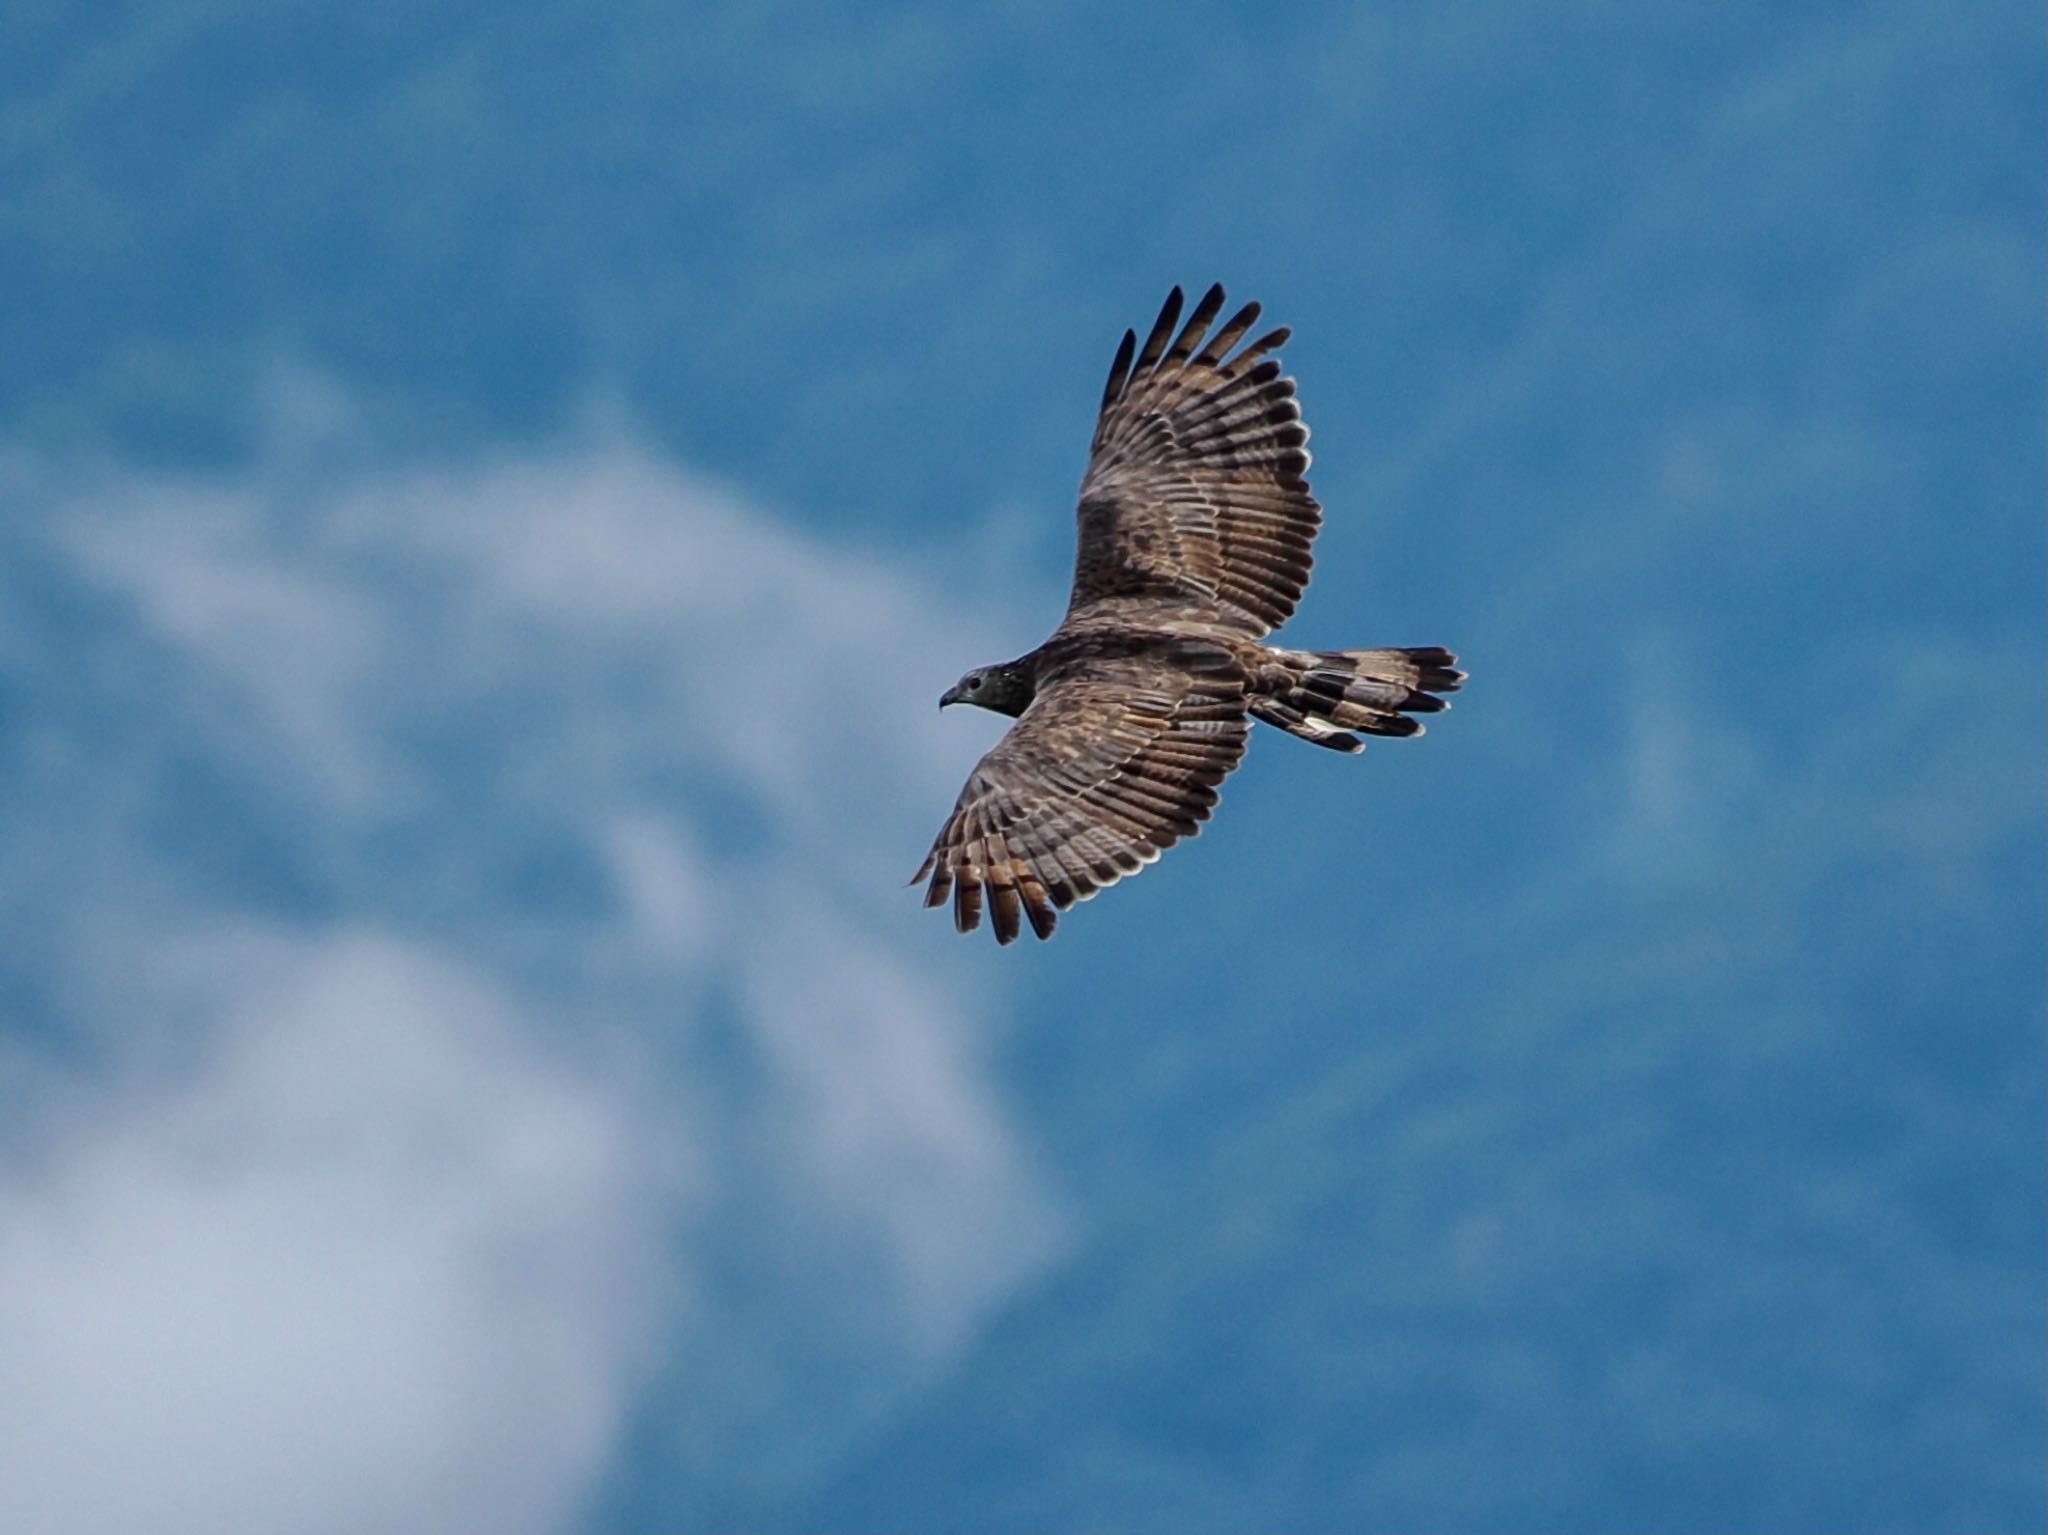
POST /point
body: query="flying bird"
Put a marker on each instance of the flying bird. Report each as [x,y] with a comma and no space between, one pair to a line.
[1194,531]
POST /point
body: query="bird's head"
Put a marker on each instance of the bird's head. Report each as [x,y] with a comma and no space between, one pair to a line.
[1001,688]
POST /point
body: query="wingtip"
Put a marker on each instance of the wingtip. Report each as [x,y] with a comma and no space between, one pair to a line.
[1162,330]
[1119,369]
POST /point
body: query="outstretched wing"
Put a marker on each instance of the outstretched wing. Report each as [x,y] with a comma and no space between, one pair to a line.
[1195,483]
[1116,759]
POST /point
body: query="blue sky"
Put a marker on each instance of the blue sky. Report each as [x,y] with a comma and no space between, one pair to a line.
[490,500]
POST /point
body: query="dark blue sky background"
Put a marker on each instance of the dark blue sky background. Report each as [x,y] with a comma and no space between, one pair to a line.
[488,497]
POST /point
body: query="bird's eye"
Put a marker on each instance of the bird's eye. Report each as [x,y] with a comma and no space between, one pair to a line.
[974,679]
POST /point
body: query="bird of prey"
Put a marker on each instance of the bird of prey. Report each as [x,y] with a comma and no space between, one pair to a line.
[1195,522]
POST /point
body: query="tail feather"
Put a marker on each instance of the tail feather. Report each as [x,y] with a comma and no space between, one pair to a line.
[1324,695]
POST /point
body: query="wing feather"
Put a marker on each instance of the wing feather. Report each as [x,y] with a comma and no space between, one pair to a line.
[1115,761]
[1120,369]
[1228,336]
[1191,333]
[1155,344]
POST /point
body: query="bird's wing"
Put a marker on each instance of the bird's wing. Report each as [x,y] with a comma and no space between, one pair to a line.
[1116,759]
[1195,481]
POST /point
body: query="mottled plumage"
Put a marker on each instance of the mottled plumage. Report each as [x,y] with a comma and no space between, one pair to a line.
[1194,530]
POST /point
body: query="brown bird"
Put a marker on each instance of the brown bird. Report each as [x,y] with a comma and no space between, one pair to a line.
[1195,523]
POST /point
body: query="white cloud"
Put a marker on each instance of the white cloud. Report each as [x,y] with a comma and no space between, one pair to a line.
[670,907]
[366,1217]
[377,1260]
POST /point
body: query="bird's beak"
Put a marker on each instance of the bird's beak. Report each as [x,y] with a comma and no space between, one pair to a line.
[950,696]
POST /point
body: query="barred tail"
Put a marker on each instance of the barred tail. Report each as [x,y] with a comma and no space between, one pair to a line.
[1323,695]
